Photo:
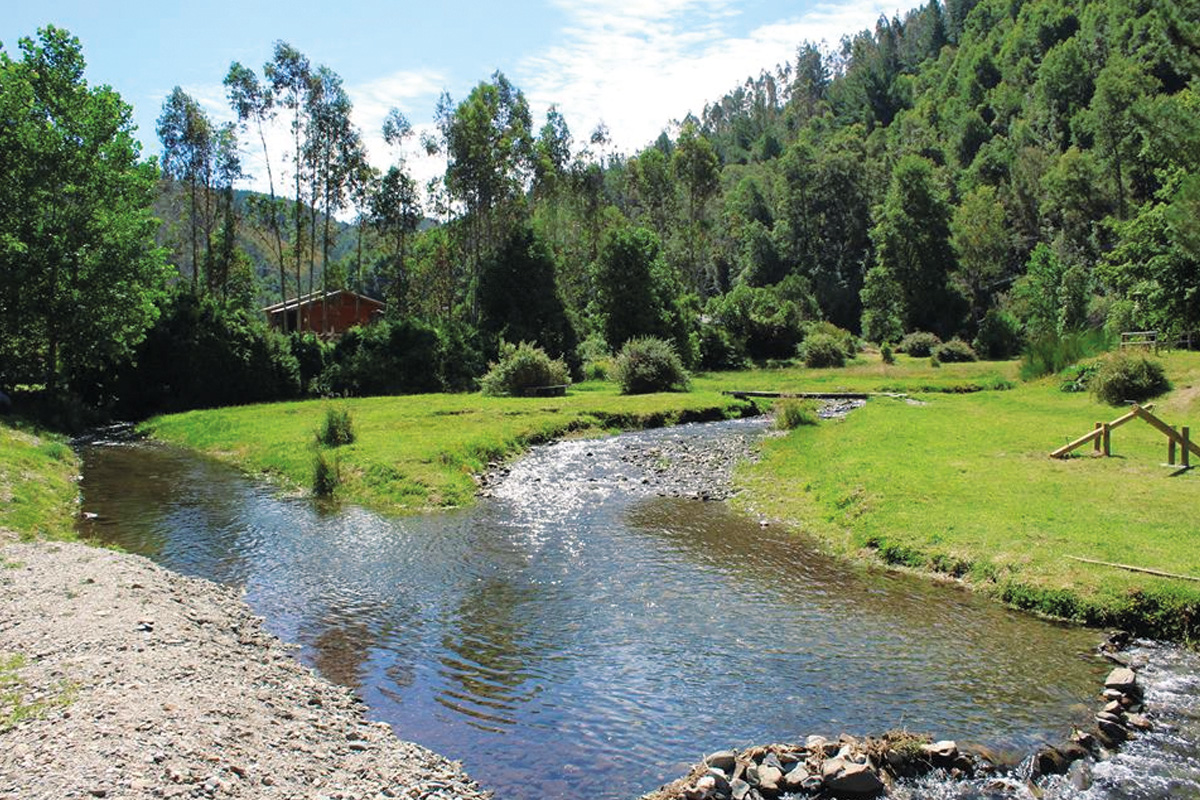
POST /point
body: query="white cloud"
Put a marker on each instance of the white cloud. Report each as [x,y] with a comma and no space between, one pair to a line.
[638,64]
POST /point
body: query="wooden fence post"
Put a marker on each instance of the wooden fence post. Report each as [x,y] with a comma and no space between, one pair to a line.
[1096,444]
[1107,443]
[1170,451]
[1187,454]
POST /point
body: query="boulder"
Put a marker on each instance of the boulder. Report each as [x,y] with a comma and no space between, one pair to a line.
[845,778]
[768,779]
[941,754]
[794,781]
[724,760]
[1123,680]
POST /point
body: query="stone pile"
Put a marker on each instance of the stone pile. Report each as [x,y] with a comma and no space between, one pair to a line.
[862,768]
[843,767]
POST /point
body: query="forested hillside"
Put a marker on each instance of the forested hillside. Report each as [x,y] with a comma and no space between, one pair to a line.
[1000,171]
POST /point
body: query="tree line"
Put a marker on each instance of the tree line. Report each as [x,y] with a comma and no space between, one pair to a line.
[993,170]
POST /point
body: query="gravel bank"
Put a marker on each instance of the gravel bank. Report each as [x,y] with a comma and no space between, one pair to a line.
[148,684]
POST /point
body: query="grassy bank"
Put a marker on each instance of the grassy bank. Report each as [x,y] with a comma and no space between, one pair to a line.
[37,484]
[962,484]
[419,452]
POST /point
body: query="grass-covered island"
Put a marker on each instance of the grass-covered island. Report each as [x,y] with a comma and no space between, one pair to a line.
[955,479]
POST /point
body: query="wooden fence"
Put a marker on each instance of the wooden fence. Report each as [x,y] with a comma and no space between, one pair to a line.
[1101,437]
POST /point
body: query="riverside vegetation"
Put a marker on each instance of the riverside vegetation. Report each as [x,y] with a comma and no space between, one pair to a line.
[954,479]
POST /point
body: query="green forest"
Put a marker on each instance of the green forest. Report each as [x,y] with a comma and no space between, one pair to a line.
[1003,173]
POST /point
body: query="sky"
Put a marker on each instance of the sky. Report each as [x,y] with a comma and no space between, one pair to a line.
[633,65]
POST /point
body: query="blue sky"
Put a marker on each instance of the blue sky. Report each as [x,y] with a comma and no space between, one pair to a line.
[634,65]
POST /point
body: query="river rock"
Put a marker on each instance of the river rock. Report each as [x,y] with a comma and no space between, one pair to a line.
[794,780]
[1138,721]
[739,789]
[843,777]
[1123,680]
[942,753]
[769,778]
[724,760]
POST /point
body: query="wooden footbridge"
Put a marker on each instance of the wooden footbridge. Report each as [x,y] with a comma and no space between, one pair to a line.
[1100,437]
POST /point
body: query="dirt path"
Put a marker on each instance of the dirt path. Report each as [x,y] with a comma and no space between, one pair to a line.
[141,683]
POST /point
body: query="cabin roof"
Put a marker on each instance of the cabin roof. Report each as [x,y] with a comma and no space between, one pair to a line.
[316,297]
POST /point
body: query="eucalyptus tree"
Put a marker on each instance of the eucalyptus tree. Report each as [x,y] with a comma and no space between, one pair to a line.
[697,170]
[254,103]
[396,207]
[290,76]
[488,145]
[188,155]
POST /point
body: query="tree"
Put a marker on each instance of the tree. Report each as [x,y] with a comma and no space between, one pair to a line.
[79,271]
[912,243]
[519,299]
[252,102]
[636,294]
[188,150]
[697,169]
[982,240]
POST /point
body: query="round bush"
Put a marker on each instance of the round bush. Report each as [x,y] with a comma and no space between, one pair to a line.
[918,344]
[649,365]
[1125,378]
[522,367]
[954,351]
[823,350]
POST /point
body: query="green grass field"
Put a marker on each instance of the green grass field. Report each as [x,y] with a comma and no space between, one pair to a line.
[963,484]
[37,484]
[421,451]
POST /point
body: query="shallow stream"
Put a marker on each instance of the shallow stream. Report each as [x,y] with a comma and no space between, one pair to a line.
[576,636]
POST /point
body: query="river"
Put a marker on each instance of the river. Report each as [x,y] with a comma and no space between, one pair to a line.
[576,636]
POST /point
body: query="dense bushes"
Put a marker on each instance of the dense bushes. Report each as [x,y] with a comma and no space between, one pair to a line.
[397,356]
[822,350]
[522,367]
[1125,378]
[919,344]
[202,354]
[649,365]
[999,336]
[954,351]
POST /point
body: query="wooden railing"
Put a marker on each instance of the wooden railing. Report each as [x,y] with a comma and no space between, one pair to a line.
[1101,437]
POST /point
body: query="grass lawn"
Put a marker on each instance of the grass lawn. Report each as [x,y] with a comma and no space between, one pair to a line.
[419,452]
[37,484]
[963,484]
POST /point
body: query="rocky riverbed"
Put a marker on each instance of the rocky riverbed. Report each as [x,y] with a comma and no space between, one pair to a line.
[121,679]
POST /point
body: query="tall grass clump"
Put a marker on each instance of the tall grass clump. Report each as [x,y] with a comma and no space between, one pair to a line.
[522,367]
[1051,353]
[336,428]
[1126,378]
[791,414]
[327,474]
[649,365]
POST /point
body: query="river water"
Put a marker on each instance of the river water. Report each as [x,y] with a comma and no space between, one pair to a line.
[576,636]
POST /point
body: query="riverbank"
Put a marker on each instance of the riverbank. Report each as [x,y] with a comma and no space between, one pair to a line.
[122,679]
[38,492]
[962,486]
[423,452]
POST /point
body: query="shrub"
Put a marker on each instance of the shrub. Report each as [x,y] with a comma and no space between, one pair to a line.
[326,476]
[823,350]
[1125,378]
[847,340]
[919,344]
[718,349]
[790,414]
[887,355]
[597,361]
[649,365]
[954,351]
[1078,378]
[999,335]
[1052,353]
[337,428]
[391,356]
[522,367]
